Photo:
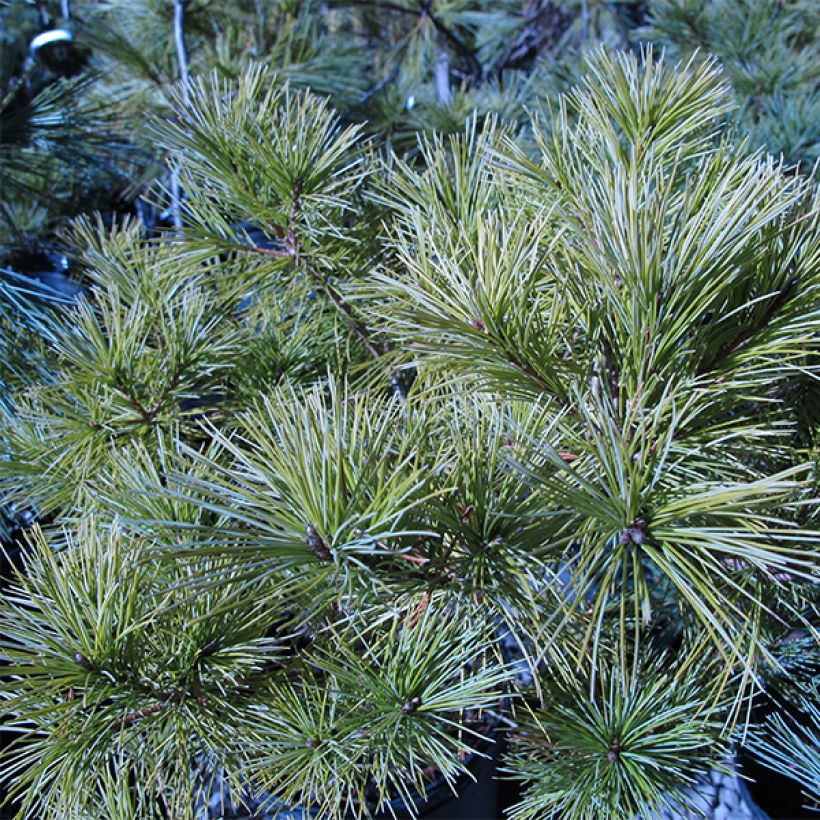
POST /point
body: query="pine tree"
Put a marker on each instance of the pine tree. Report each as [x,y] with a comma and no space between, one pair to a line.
[769,52]
[307,462]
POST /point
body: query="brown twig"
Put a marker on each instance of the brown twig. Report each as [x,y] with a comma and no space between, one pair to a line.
[133,716]
[415,559]
[280,252]
[413,618]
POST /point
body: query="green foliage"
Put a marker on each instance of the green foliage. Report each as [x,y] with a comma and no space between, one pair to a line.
[117,674]
[108,661]
[24,307]
[396,699]
[289,335]
[60,150]
[769,52]
[619,744]
[325,483]
[346,490]
[277,158]
[163,336]
[123,361]
[367,408]
[275,162]
[646,307]
[59,128]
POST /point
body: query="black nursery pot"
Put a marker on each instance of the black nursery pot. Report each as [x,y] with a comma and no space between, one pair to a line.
[474,799]
[772,794]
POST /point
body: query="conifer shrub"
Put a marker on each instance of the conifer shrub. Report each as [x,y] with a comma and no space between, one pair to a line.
[311,460]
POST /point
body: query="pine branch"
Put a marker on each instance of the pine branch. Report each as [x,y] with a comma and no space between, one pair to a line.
[294,247]
[425,11]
